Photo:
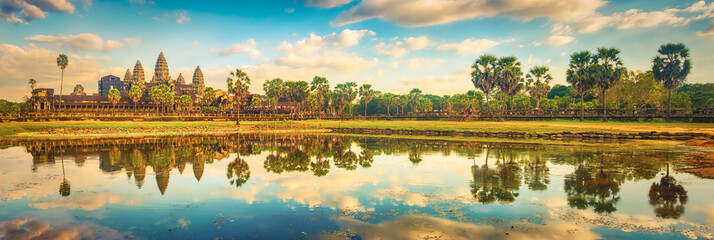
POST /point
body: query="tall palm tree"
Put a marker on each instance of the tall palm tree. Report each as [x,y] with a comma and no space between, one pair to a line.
[607,72]
[238,83]
[135,95]
[509,77]
[578,75]
[114,97]
[671,67]
[367,93]
[32,83]
[537,81]
[414,96]
[62,63]
[483,76]
[322,89]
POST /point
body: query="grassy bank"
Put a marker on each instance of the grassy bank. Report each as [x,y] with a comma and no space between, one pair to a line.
[129,129]
[523,126]
[98,128]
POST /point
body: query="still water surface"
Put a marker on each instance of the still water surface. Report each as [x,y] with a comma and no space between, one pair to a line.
[340,187]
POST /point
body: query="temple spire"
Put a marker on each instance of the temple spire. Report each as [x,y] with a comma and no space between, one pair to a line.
[138,75]
[161,71]
[180,80]
[198,80]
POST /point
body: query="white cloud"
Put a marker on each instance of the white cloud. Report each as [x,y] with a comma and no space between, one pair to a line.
[326,3]
[396,50]
[708,32]
[417,13]
[289,10]
[17,64]
[34,9]
[195,43]
[249,47]
[182,17]
[339,61]
[84,42]
[416,43]
[347,37]
[556,40]
[416,63]
[633,18]
[469,46]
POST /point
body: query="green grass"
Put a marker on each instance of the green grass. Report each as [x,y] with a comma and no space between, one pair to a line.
[523,126]
[68,127]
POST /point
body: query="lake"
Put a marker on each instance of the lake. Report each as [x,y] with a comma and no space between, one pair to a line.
[347,187]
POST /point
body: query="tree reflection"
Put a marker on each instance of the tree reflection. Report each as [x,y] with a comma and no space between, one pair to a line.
[65,186]
[536,173]
[238,172]
[500,184]
[599,192]
[667,197]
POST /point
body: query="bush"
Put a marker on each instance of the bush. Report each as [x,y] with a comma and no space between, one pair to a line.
[209,109]
[548,103]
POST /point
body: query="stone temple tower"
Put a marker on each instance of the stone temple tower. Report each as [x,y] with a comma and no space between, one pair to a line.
[161,71]
[138,76]
[198,80]
[128,80]
[180,80]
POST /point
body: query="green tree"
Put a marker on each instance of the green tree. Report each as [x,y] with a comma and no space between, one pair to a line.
[671,67]
[62,62]
[208,95]
[579,76]
[366,93]
[160,95]
[321,87]
[114,96]
[537,81]
[414,97]
[185,102]
[509,74]
[274,88]
[32,83]
[135,95]
[483,76]
[238,84]
[297,91]
[344,94]
[389,101]
[607,70]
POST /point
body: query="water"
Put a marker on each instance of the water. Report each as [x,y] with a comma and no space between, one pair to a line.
[339,187]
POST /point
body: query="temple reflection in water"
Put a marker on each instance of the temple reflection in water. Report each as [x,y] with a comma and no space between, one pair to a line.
[508,168]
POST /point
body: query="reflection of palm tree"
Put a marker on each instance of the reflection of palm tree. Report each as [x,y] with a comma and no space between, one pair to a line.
[599,192]
[667,197]
[484,180]
[415,155]
[65,187]
[238,172]
[366,158]
[536,174]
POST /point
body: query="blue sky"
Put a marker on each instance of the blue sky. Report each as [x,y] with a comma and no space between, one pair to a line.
[392,44]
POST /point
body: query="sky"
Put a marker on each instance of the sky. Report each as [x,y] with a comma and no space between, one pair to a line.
[395,45]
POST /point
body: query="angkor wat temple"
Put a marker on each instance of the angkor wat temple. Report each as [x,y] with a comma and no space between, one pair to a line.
[45,99]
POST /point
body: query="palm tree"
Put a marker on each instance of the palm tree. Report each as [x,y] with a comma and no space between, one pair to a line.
[32,83]
[414,96]
[367,93]
[62,63]
[578,75]
[238,84]
[671,67]
[483,76]
[135,95]
[509,77]
[322,88]
[537,81]
[114,96]
[608,70]
[389,100]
